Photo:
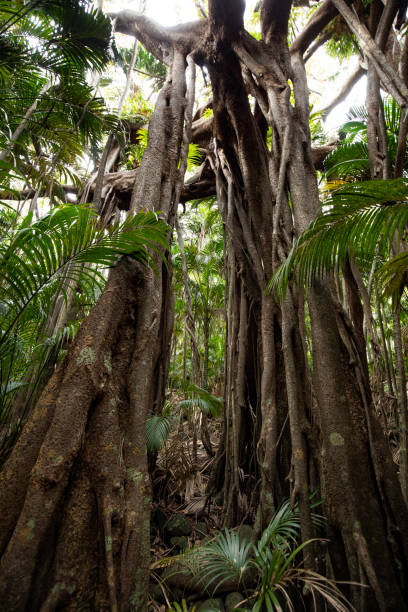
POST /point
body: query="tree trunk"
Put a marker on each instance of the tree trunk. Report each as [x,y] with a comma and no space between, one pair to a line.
[349,430]
[75,491]
[75,505]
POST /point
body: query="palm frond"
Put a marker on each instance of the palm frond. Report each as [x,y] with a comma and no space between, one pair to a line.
[359,218]
[59,244]
[194,157]
[392,277]
[224,559]
[349,160]
[158,428]
[272,560]
[199,397]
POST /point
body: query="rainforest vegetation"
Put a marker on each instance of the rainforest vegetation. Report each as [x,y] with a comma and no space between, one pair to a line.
[203,307]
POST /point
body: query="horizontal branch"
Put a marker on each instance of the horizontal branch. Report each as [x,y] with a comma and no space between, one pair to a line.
[157,39]
[28,194]
[200,185]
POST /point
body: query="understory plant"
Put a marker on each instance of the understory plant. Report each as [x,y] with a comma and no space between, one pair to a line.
[159,426]
[269,571]
[59,256]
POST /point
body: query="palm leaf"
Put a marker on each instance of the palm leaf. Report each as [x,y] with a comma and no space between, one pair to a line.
[206,401]
[349,160]
[194,157]
[224,559]
[158,428]
[59,244]
[360,218]
[392,277]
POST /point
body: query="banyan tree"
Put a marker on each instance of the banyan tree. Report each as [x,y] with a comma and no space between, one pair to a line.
[75,491]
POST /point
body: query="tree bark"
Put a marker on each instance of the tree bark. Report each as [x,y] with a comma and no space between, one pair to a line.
[75,491]
[74,527]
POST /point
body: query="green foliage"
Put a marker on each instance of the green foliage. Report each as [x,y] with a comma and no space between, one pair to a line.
[204,251]
[359,218]
[53,34]
[349,161]
[316,130]
[227,558]
[392,277]
[158,428]
[202,399]
[208,113]
[136,106]
[183,607]
[194,157]
[341,47]
[60,243]
[40,261]
[136,151]
[47,48]
[272,562]
[145,61]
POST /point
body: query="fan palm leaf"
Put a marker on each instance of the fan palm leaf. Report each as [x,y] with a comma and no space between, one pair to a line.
[271,562]
[224,559]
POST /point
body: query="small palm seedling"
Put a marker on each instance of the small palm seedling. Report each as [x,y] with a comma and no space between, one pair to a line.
[226,559]
[268,571]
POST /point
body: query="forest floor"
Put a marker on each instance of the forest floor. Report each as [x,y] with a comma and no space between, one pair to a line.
[184,517]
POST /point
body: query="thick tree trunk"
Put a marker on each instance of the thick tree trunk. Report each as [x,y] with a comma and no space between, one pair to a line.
[79,484]
[349,431]
[75,503]
[75,498]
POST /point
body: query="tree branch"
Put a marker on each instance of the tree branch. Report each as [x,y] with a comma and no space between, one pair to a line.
[226,15]
[393,83]
[321,17]
[351,80]
[275,19]
[321,40]
[157,39]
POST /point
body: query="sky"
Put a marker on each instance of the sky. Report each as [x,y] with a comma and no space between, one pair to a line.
[166,12]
